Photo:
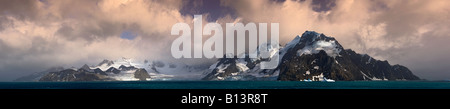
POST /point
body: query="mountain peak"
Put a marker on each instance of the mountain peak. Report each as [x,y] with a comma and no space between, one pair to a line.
[311,42]
[85,67]
[107,62]
[312,36]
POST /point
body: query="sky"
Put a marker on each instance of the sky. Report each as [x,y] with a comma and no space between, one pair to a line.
[39,34]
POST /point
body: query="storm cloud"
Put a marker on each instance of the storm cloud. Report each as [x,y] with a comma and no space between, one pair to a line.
[406,32]
[39,34]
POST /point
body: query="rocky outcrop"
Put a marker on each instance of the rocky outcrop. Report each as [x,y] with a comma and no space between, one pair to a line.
[141,74]
[125,68]
[113,70]
[99,71]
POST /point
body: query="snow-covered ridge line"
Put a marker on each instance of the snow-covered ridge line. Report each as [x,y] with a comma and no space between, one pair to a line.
[124,69]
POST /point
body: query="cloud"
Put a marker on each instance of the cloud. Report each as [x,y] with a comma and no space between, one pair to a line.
[21,9]
[35,35]
[38,34]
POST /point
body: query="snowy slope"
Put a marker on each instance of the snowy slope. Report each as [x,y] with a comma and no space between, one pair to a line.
[311,43]
[242,68]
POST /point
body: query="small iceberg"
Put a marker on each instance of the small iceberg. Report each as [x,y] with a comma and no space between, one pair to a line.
[327,80]
[307,80]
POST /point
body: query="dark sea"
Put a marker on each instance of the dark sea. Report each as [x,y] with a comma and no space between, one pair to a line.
[229,85]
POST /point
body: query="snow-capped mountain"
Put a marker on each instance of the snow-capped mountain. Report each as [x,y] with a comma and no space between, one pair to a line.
[308,57]
[158,70]
[126,69]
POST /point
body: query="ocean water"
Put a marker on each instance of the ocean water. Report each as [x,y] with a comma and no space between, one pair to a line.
[229,85]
